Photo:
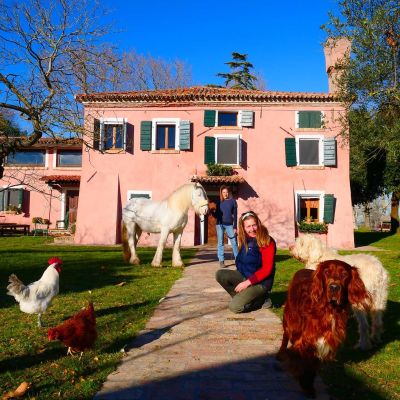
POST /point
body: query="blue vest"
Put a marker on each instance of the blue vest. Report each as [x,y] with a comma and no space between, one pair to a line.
[247,263]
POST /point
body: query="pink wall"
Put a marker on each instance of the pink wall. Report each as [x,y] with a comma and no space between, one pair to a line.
[39,200]
[269,188]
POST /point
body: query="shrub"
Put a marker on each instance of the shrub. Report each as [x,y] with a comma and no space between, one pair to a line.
[219,170]
[14,208]
[313,227]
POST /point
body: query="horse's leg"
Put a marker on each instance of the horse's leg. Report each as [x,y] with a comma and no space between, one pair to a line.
[176,251]
[132,241]
[137,235]
[160,248]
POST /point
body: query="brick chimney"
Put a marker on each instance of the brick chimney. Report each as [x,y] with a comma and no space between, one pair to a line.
[335,51]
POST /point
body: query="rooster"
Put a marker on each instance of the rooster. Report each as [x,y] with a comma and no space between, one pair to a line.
[78,332]
[37,296]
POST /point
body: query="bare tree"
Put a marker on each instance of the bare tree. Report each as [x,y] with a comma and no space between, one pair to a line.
[49,50]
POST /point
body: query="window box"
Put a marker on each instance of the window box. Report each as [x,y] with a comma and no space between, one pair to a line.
[312,227]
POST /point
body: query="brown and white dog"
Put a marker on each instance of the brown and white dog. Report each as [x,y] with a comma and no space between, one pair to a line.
[311,251]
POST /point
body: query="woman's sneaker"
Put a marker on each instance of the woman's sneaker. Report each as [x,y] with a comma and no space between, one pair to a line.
[267,303]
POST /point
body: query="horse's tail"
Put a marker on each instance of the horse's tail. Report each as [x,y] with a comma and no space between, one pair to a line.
[125,245]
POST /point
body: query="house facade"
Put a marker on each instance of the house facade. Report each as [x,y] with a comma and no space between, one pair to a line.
[289,163]
[42,182]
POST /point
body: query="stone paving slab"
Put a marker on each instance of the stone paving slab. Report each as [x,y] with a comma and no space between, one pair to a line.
[194,348]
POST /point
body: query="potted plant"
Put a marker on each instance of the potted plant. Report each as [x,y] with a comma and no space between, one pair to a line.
[12,209]
[219,170]
[307,226]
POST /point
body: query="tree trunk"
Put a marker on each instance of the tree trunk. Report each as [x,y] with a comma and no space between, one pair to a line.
[394,213]
[367,216]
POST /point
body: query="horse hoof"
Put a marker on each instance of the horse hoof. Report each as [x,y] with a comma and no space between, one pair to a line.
[156,265]
[134,261]
[178,265]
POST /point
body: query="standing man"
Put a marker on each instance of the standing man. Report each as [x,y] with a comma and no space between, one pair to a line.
[226,215]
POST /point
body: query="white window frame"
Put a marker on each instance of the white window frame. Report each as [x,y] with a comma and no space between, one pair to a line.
[306,194]
[130,192]
[297,120]
[236,136]
[320,139]
[55,155]
[165,121]
[113,121]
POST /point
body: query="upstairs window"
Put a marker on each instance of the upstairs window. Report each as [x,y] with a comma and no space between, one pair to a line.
[221,118]
[69,158]
[165,138]
[227,118]
[309,150]
[110,134]
[31,158]
[309,119]
[224,149]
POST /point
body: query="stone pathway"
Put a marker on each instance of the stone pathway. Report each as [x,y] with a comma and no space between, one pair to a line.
[194,348]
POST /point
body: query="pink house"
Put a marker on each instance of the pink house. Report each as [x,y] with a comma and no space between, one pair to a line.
[289,162]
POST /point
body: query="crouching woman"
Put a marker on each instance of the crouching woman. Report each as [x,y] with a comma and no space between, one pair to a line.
[252,281]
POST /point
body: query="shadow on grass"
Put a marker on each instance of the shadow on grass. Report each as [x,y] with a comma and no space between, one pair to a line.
[366,238]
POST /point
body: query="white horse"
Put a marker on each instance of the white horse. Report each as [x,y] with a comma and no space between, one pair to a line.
[170,215]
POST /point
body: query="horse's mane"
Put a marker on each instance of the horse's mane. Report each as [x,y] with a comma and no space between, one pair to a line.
[181,198]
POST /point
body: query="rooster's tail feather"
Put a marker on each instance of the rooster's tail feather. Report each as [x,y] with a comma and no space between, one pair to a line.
[15,286]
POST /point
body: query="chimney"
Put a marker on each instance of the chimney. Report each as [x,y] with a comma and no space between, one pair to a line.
[336,51]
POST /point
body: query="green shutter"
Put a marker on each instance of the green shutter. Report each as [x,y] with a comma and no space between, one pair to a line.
[290,151]
[2,207]
[184,135]
[96,134]
[330,152]
[310,119]
[329,208]
[209,150]
[145,135]
[209,118]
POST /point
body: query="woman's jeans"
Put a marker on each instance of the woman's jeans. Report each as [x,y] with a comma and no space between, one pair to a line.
[232,237]
[249,299]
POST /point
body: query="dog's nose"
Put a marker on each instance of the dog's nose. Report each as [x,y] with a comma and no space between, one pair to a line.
[333,287]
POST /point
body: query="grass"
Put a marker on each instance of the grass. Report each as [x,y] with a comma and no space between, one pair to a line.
[26,354]
[371,375]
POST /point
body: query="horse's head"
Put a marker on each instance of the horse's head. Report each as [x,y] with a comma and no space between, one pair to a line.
[199,199]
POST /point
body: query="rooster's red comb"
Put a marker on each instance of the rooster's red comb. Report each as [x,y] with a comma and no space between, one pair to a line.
[55,260]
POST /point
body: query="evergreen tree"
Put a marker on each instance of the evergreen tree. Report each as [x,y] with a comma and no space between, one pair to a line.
[240,76]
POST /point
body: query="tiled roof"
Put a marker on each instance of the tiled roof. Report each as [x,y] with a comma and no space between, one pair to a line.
[217,179]
[46,141]
[201,94]
[61,178]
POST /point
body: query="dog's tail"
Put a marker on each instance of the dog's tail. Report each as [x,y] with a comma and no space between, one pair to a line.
[125,245]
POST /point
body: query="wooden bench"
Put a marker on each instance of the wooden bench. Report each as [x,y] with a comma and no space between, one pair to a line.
[12,228]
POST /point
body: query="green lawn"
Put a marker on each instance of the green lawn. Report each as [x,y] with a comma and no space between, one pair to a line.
[26,354]
[356,375]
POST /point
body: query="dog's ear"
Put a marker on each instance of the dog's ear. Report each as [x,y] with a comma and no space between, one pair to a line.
[317,284]
[357,293]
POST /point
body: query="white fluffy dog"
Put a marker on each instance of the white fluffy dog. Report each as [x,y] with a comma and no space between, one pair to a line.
[311,251]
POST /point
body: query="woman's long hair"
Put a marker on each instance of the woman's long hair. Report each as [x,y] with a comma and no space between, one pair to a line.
[220,192]
[262,234]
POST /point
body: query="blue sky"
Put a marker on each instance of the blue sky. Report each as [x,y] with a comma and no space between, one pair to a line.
[282,38]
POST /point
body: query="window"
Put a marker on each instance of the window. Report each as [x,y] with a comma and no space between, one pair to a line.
[69,158]
[112,134]
[309,209]
[309,206]
[223,149]
[165,138]
[315,206]
[34,158]
[309,119]
[227,118]
[165,134]
[310,150]
[11,197]
[241,118]
[137,194]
